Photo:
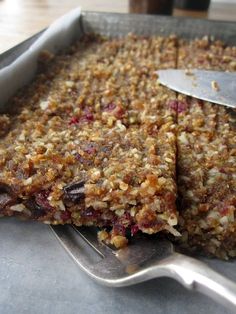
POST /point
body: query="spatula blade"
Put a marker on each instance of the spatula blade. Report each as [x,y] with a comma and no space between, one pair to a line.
[213,86]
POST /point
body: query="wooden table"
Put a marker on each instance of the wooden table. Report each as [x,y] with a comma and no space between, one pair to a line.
[19,19]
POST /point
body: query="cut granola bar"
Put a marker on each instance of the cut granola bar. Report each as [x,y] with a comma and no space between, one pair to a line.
[94,142]
[207,158]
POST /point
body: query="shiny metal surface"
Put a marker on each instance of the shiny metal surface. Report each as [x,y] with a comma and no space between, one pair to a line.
[143,259]
[200,84]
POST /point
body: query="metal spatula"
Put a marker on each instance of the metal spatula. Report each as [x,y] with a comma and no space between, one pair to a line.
[145,258]
[213,86]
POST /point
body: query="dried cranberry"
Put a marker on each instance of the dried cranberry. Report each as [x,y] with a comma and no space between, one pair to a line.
[110,107]
[169,198]
[147,225]
[223,170]
[88,117]
[126,219]
[82,160]
[115,110]
[178,106]
[173,104]
[200,60]
[182,106]
[151,224]
[119,229]
[73,120]
[127,216]
[134,229]
[224,210]
[90,149]
[90,213]
[79,158]
[65,215]
[41,199]
[119,112]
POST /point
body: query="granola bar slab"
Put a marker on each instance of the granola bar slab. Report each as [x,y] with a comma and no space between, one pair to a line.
[93,141]
[207,158]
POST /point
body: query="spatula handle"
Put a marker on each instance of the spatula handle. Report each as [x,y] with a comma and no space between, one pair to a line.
[197,276]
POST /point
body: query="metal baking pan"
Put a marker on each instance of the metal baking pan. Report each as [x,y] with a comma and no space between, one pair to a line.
[117,25]
[19,240]
[120,24]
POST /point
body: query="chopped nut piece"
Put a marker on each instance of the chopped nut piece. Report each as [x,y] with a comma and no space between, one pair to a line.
[123,186]
[215,86]
[119,241]
[44,104]
[102,235]
[188,72]
[18,207]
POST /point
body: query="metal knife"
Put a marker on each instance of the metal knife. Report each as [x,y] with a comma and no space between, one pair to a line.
[213,86]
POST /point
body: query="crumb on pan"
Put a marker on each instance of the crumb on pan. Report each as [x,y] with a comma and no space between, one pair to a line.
[215,86]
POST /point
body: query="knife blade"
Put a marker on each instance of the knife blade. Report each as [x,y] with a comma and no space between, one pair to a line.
[214,86]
